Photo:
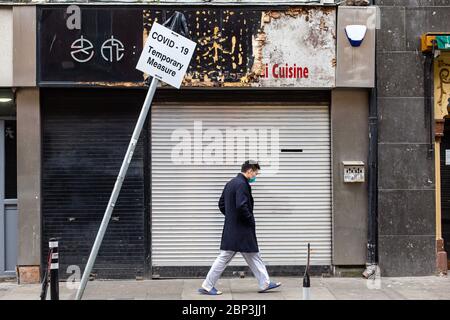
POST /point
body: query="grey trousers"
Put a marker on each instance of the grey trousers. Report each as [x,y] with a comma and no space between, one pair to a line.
[253,260]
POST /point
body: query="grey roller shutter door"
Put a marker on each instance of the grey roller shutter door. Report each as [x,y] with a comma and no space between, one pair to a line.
[292,207]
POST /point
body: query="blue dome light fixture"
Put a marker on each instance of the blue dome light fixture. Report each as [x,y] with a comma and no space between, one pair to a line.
[355,34]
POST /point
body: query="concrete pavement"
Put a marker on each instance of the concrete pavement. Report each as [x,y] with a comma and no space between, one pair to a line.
[432,287]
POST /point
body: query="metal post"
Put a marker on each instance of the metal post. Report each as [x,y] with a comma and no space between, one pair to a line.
[306,280]
[54,269]
[117,186]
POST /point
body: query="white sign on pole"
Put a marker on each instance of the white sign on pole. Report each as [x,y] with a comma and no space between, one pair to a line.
[166,55]
[447,157]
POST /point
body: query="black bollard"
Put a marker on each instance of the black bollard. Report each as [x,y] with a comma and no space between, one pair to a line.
[306,280]
[54,270]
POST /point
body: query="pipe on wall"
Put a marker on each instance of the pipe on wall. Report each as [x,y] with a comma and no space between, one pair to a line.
[372,227]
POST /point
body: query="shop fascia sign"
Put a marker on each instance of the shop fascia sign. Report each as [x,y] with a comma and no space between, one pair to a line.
[241,53]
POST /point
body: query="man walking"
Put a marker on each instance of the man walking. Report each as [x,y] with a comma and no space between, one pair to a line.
[239,234]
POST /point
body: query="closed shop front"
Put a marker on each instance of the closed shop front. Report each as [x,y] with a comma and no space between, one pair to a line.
[248,94]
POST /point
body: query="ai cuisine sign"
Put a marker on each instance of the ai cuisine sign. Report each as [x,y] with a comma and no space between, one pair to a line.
[236,47]
[285,71]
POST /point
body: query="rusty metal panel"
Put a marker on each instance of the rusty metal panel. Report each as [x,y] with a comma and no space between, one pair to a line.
[224,52]
[356,65]
[255,48]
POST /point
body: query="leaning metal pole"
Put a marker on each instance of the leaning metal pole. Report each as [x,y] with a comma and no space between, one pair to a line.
[117,186]
[177,23]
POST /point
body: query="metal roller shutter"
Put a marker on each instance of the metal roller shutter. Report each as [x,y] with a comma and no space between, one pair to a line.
[85,136]
[292,207]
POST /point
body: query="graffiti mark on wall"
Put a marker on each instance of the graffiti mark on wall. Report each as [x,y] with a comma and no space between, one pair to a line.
[442,86]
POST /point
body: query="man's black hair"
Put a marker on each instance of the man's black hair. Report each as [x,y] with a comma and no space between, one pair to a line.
[250,164]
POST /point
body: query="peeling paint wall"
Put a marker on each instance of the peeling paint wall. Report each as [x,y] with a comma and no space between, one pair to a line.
[303,38]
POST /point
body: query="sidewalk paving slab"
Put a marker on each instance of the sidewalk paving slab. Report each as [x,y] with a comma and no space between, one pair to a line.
[422,288]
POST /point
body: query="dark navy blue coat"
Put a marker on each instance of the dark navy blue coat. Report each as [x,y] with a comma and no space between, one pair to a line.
[236,203]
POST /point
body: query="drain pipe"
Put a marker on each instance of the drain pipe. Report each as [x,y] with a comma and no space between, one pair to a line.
[372,232]
[372,226]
